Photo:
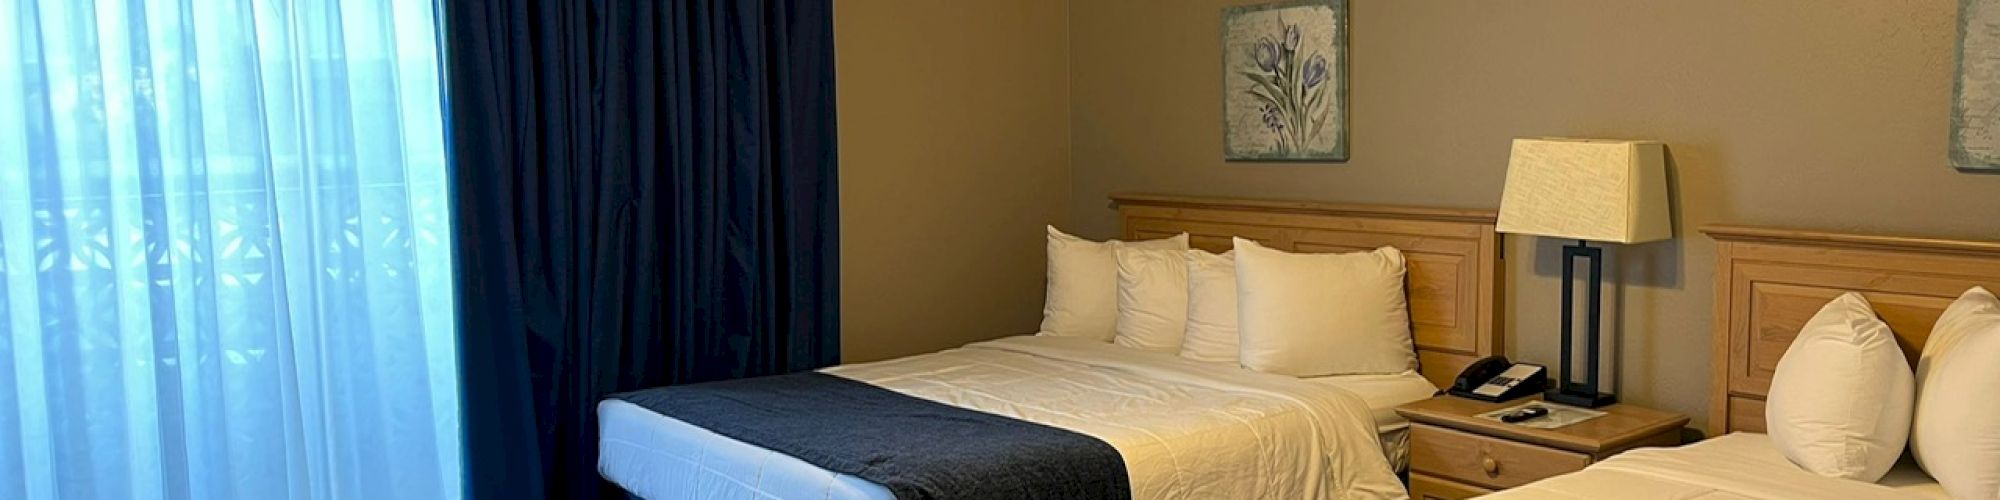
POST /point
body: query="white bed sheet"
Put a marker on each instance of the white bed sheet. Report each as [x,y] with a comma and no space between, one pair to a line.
[661,458]
[1170,451]
[1382,394]
[1731,467]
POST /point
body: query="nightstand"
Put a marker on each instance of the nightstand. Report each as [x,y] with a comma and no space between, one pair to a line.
[1455,455]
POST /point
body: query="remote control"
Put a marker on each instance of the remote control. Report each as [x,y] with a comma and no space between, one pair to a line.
[1523,415]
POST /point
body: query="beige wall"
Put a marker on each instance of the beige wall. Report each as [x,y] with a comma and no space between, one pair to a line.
[1802,113]
[954,151]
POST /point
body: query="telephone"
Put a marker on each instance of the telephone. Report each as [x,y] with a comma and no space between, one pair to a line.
[1495,379]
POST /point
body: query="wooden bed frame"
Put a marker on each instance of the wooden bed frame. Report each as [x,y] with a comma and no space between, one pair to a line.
[1454,280]
[1768,282]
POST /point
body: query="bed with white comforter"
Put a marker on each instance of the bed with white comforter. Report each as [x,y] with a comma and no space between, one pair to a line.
[1739,466]
[1185,429]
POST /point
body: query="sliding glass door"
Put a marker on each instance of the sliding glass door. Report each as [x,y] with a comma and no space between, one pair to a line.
[225,264]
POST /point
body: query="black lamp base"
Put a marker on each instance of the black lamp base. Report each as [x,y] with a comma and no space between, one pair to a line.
[1571,391]
[1575,395]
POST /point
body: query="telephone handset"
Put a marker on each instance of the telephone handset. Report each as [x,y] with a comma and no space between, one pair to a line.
[1495,379]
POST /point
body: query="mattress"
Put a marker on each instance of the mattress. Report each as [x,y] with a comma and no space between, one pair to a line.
[1063,383]
[1735,466]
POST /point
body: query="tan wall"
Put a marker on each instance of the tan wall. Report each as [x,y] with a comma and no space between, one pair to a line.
[1802,113]
[954,151]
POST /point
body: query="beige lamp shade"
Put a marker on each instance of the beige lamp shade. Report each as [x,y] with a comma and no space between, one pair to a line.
[1587,189]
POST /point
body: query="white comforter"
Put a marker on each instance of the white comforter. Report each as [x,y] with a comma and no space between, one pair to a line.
[1739,466]
[1185,429]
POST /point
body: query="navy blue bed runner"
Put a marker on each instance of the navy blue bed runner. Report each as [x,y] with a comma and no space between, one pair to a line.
[918,448]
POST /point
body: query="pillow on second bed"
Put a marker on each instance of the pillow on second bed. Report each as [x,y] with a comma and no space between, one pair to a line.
[1311,315]
[1840,401]
[1957,433]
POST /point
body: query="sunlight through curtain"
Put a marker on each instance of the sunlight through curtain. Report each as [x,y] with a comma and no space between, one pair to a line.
[224,251]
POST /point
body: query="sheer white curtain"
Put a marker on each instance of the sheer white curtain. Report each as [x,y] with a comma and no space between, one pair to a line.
[224,251]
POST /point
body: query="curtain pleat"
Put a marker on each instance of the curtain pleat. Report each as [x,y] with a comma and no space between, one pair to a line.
[647,196]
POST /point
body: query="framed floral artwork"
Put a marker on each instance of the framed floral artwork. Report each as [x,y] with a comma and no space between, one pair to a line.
[1975,112]
[1284,82]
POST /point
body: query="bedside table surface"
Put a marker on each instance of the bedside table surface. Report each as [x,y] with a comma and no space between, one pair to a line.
[1622,424]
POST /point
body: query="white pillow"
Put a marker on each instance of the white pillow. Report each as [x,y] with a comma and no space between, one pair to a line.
[1957,434]
[1152,298]
[1310,315]
[1841,399]
[1082,298]
[1211,307]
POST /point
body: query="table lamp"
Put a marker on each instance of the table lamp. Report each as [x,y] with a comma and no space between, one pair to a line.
[1587,190]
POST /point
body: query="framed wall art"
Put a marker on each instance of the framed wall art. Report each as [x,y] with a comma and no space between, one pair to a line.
[1975,112]
[1284,68]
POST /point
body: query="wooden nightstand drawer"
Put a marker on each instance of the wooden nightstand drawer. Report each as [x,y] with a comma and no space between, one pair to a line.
[1486,461]
[1424,487]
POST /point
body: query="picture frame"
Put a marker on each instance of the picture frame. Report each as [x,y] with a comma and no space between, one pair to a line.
[1975,113]
[1285,85]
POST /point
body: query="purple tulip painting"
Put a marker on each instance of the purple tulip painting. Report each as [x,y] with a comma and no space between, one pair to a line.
[1285,81]
[1975,113]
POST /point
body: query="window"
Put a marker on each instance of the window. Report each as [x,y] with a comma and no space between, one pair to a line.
[224,251]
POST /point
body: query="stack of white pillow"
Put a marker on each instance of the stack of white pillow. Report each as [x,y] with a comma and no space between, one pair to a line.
[1304,315]
[1844,402]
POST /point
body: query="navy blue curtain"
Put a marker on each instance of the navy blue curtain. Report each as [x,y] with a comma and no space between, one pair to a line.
[646,195]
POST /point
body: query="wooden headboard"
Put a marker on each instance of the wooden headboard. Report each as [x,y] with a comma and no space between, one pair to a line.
[1454,280]
[1768,282]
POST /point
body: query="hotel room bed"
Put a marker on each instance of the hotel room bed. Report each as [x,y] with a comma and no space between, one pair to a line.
[1769,283]
[1743,465]
[1185,429]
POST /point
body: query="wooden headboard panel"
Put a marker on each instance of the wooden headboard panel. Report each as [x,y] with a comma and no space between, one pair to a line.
[1454,279]
[1768,282]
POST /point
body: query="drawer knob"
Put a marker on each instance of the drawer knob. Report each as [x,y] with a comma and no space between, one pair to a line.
[1492,466]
